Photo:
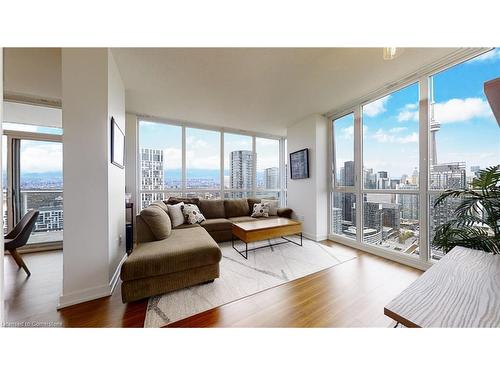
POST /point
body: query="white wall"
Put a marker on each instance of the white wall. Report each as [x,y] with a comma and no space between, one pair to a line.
[1,200]
[309,197]
[93,189]
[28,114]
[116,175]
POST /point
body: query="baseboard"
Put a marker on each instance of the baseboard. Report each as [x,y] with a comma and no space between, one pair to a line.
[116,275]
[83,296]
[315,237]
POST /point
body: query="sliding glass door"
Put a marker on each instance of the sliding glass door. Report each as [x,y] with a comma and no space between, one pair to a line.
[34,180]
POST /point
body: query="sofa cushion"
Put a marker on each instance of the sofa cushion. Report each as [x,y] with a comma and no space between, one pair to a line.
[236,207]
[217,224]
[212,208]
[251,202]
[161,205]
[285,212]
[176,214]
[239,219]
[187,226]
[183,250]
[177,200]
[158,222]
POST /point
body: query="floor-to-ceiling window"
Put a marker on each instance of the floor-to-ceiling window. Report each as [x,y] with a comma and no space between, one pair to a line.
[464,135]
[33,179]
[160,162]
[390,162]
[343,197]
[268,176]
[203,172]
[390,154]
[239,165]
[189,161]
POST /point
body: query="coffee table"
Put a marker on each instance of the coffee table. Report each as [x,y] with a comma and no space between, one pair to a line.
[265,229]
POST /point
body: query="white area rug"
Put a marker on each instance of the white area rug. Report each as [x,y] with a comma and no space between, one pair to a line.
[264,269]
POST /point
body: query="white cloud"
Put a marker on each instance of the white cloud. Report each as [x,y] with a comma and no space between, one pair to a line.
[384,137]
[173,158]
[397,129]
[376,108]
[348,132]
[456,110]
[40,158]
[408,113]
[492,55]
[195,142]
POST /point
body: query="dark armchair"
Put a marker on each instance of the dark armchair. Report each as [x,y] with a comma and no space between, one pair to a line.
[19,236]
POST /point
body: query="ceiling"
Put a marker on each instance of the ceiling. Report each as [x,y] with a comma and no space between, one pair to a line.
[258,89]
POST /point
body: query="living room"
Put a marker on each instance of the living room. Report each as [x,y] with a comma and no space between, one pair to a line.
[250,185]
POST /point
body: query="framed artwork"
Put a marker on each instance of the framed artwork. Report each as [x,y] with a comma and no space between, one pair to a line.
[299,164]
[117,145]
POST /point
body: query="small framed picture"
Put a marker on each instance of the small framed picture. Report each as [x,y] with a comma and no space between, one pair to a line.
[117,145]
[299,164]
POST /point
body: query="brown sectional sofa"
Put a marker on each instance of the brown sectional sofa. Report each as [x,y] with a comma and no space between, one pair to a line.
[190,255]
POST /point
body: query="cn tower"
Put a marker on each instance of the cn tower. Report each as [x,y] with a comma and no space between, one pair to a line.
[434,127]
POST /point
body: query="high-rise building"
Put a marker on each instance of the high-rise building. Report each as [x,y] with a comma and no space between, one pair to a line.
[349,173]
[448,176]
[382,181]
[242,165]
[271,178]
[445,176]
[394,183]
[337,220]
[408,202]
[370,178]
[414,177]
[152,175]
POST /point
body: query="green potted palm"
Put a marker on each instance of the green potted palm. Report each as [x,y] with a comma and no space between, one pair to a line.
[476,223]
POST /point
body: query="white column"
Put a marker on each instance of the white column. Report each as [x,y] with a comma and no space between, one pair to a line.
[2,316]
[94,207]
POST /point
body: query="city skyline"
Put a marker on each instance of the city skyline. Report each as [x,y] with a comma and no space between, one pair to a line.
[468,130]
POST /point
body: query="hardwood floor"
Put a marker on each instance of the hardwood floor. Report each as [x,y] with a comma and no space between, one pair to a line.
[35,299]
[352,294]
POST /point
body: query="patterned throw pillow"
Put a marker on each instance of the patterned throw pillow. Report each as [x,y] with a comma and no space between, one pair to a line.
[192,214]
[260,210]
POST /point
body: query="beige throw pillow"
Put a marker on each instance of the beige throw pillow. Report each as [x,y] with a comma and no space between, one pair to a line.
[273,206]
[176,214]
[158,222]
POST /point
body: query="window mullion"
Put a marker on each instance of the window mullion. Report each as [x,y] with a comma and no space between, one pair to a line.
[358,172]
[423,184]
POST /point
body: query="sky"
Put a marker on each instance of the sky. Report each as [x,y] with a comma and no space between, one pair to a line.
[203,146]
[469,131]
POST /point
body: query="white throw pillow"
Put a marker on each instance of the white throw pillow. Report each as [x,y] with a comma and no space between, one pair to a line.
[260,210]
[273,206]
[192,214]
[175,213]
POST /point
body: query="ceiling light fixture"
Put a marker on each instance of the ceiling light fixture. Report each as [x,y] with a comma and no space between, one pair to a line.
[389,53]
